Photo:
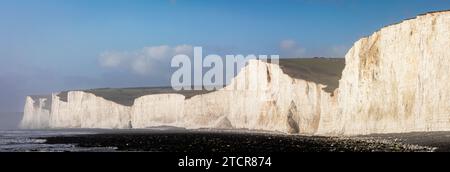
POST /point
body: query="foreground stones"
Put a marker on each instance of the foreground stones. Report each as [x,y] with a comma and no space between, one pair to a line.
[215,141]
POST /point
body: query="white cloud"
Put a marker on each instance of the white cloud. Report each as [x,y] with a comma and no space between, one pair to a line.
[184,49]
[141,65]
[156,52]
[287,44]
[110,59]
[147,61]
[290,48]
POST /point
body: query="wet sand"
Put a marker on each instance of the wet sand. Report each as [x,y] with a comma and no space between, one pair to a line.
[231,141]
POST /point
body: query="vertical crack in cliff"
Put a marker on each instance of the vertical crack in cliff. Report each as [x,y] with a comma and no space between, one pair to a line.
[317,115]
[293,124]
[269,77]
[433,25]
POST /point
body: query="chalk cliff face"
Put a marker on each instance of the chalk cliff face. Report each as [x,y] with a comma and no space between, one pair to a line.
[157,110]
[85,110]
[397,79]
[36,113]
[394,81]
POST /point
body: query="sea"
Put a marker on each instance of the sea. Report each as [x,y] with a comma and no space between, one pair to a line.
[31,141]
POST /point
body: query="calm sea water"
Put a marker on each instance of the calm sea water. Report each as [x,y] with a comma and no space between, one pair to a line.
[29,141]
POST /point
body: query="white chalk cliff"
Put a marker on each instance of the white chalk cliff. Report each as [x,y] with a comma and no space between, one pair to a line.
[36,113]
[395,80]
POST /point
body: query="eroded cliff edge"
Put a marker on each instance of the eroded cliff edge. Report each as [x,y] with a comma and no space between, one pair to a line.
[394,81]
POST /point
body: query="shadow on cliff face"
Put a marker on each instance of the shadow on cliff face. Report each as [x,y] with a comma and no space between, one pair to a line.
[325,71]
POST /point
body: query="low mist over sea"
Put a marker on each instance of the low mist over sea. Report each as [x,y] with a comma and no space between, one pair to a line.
[10,120]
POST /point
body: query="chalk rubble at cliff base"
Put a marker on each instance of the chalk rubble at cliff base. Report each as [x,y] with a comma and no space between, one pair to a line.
[394,81]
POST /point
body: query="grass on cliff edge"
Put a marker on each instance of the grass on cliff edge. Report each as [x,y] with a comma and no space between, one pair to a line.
[126,96]
[325,71]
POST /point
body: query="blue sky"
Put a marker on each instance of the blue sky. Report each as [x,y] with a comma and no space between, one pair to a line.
[53,45]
